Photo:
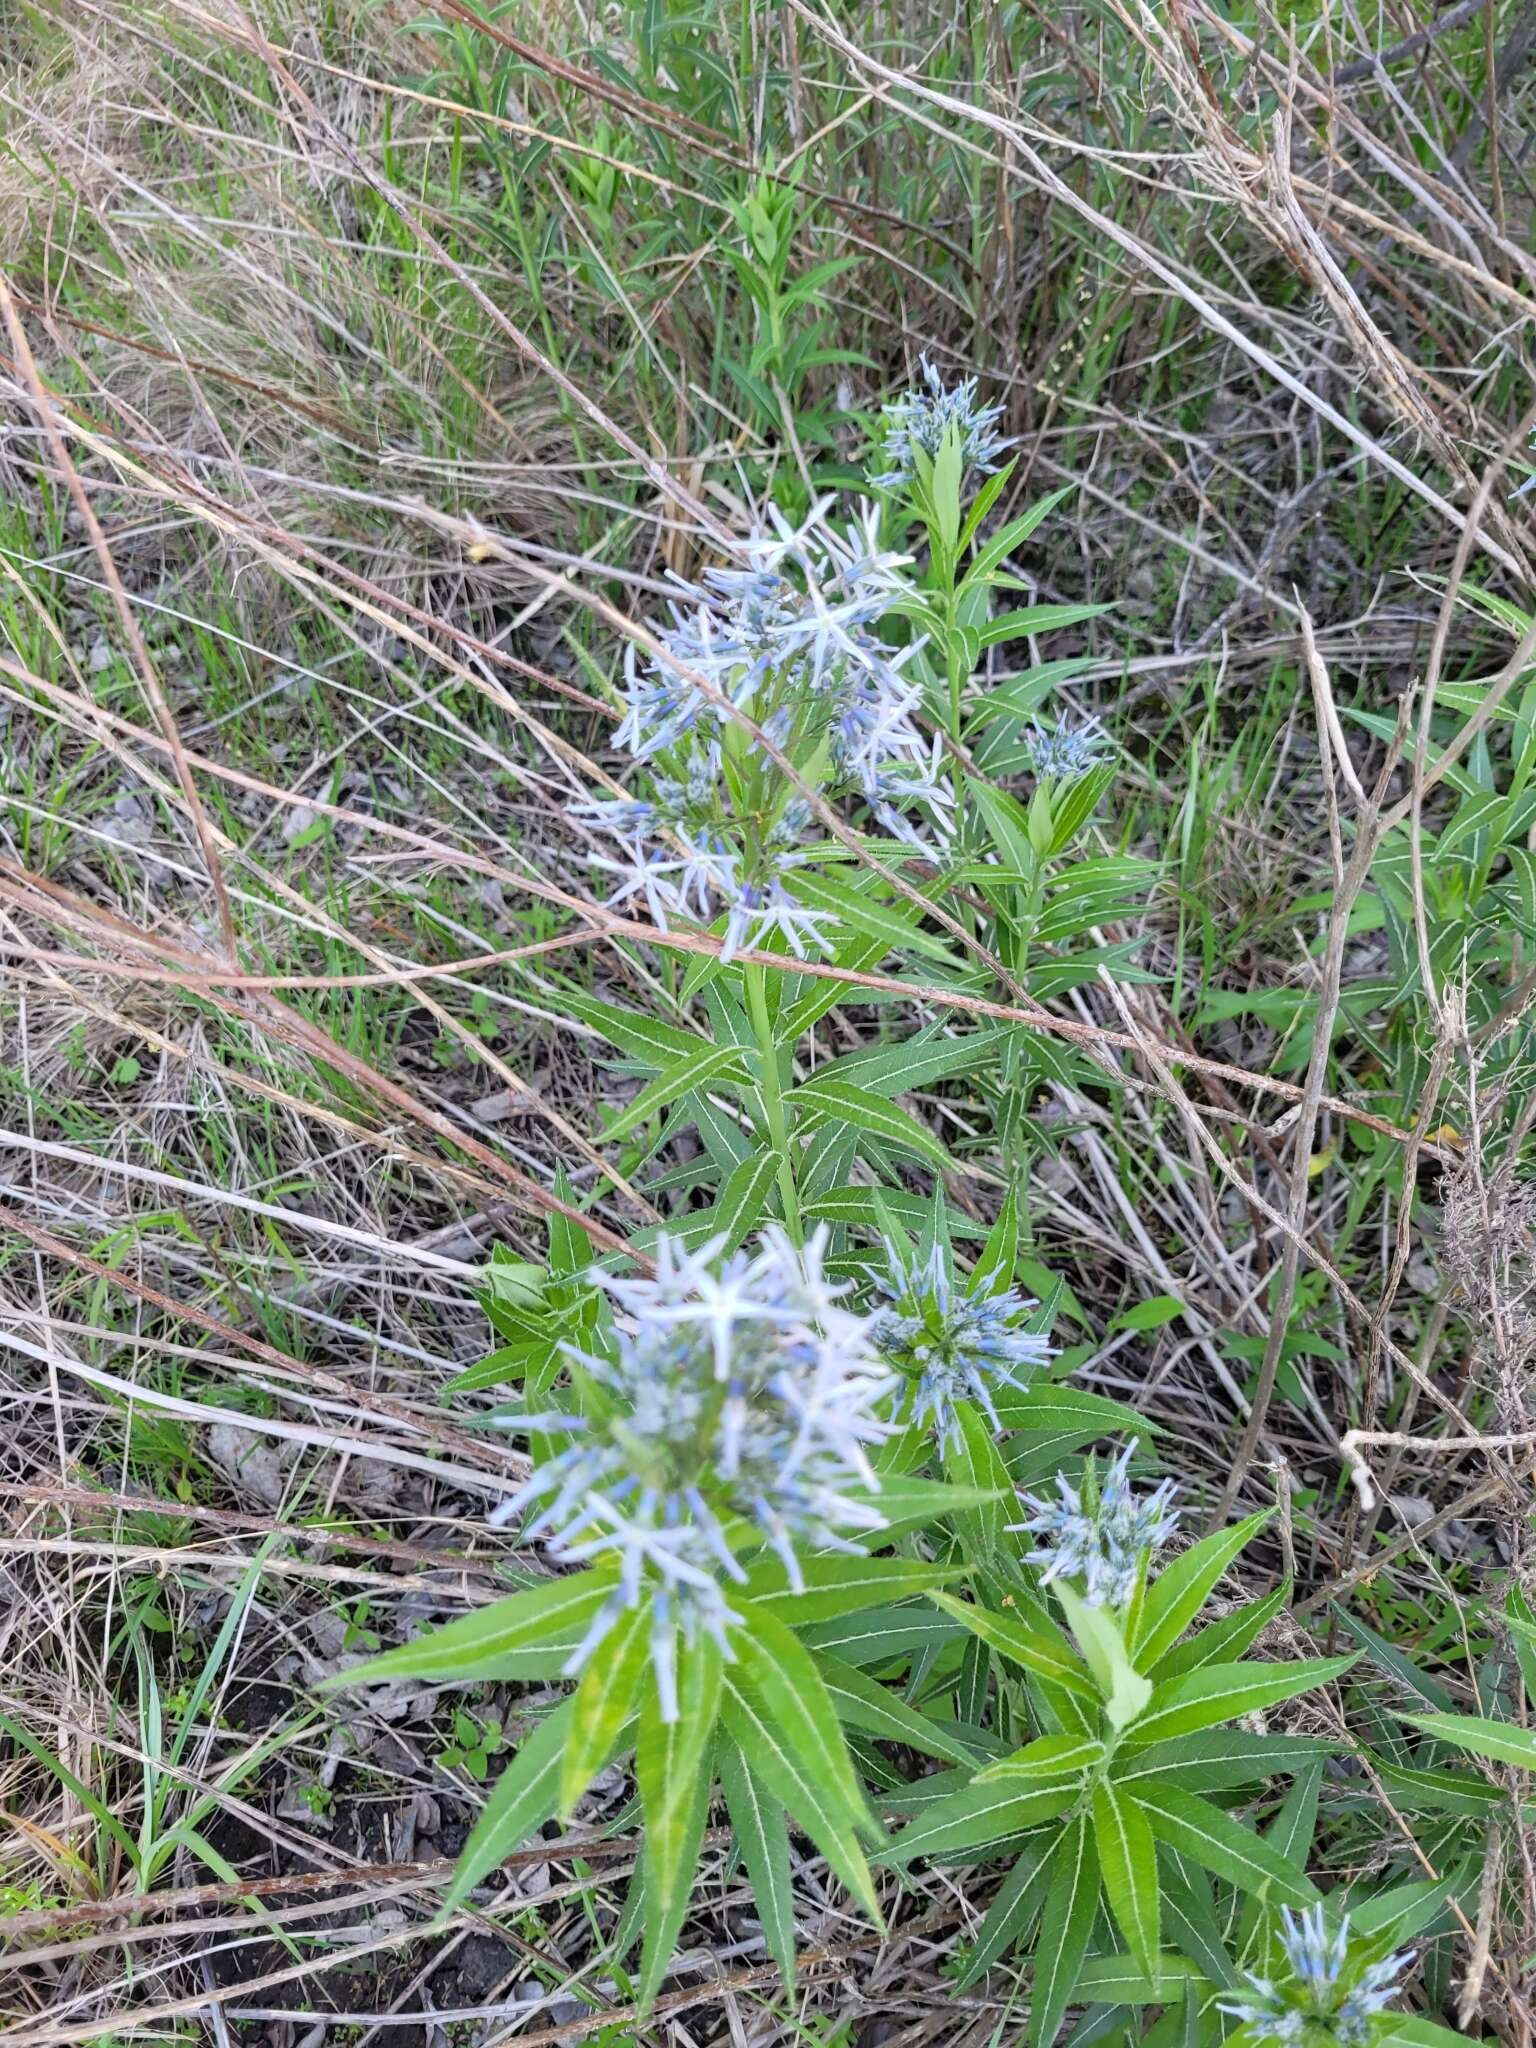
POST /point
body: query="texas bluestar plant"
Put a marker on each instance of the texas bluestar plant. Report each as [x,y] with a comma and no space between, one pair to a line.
[787,640]
[920,418]
[1322,1999]
[1100,1532]
[1067,752]
[951,1344]
[740,1397]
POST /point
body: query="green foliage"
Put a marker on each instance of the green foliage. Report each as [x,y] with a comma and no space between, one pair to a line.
[731,250]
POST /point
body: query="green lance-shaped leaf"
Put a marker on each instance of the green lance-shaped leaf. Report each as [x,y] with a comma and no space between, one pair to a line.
[782,1672]
[1010,1913]
[1128,1860]
[818,1805]
[1225,1641]
[978,1814]
[1026,1647]
[1499,1741]
[1225,1692]
[1181,1589]
[1048,1756]
[1218,1756]
[1071,1902]
[1222,1845]
[525,1796]
[862,1110]
[971,1458]
[674,1773]
[605,1699]
[669,1756]
[695,1070]
[762,1836]
[839,1583]
[526,1636]
[861,1702]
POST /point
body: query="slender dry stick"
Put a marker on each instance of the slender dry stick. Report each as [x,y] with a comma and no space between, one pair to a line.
[148,676]
[894,84]
[437,1428]
[665,483]
[1168,1080]
[1350,880]
[1361,1477]
[1485,1491]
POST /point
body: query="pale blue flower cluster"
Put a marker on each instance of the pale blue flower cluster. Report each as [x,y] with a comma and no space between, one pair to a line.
[1100,1532]
[1069,751]
[1323,2000]
[920,419]
[951,1345]
[788,641]
[740,1391]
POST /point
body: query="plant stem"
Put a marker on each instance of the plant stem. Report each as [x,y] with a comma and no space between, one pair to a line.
[770,1086]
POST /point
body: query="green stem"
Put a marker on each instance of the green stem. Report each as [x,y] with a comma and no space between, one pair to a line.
[771,1087]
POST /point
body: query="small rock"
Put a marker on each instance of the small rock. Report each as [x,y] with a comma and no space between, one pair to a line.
[494,1109]
[298,821]
[100,657]
[259,1467]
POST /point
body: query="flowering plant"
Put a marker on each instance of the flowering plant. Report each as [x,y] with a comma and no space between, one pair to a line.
[1326,1993]
[712,1484]
[786,641]
[1103,1798]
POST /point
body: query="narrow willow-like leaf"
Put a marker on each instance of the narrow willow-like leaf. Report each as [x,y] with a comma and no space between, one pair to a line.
[1222,1845]
[525,1796]
[1224,1641]
[675,1777]
[1125,1692]
[835,1584]
[1421,1791]
[1189,1915]
[528,1635]
[1025,1647]
[605,1699]
[1292,1829]
[863,1110]
[782,1673]
[1128,1862]
[993,1271]
[862,1702]
[1071,1902]
[1052,1410]
[1000,545]
[1179,1592]
[1048,1756]
[763,1839]
[744,1198]
[1500,1741]
[971,1458]
[775,1763]
[978,1814]
[1011,1912]
[1121,1980]
[1395,1662]
[696,1070]
[669,1759]
[1225,1692]
[1219,1757]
